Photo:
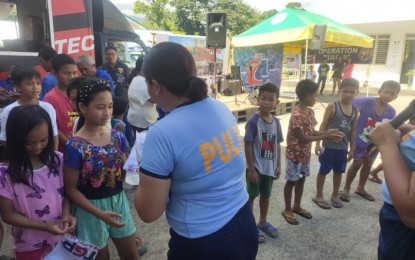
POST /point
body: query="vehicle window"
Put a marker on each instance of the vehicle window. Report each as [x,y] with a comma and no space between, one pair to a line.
[23,26]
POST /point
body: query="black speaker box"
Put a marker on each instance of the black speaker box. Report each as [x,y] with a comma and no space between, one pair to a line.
[235,72]
[216,30]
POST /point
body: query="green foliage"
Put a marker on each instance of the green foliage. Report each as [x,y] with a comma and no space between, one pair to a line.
[189,16]
[295,5]
[158,13]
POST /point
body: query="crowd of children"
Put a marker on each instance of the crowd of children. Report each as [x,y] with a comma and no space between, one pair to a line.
[77,137]
[74,118]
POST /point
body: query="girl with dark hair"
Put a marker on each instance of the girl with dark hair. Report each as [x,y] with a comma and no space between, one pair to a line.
[93,163]
[193,170]
[31,184]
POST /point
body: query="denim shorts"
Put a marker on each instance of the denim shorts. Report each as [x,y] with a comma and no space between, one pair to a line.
[396,241]
[95,231]
[238,239]
[294,171]
[332,159]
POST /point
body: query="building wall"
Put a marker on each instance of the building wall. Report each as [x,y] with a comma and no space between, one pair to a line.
[398,31]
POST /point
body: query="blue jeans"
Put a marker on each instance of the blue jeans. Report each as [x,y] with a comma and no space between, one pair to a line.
[396,241]
[238,239]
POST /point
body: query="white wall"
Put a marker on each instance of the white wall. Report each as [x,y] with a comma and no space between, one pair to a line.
[392,69]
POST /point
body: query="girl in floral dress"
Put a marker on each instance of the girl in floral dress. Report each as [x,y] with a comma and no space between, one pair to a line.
[93,161]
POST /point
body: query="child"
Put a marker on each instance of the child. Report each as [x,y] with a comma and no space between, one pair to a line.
[337,73]
[396,218]
[71,91]
[64,68]
[300,134]
[31,191]
[263,155]
[118,119]
[26,80]
[93,162]
[119,109]
[373,110]
[348,68]
[341,115]
[311,74]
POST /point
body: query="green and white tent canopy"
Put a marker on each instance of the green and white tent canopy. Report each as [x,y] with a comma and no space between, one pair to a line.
[296,27]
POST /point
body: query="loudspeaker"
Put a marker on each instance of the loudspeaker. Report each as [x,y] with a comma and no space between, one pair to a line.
[216,30]
[319,33]
[235,72]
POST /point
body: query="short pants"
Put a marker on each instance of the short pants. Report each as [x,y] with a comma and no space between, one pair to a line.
[295,170]
[332,159]
[361,154]
[95,231]
[263,185]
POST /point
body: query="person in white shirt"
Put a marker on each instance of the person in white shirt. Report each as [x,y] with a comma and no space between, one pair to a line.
[142,110]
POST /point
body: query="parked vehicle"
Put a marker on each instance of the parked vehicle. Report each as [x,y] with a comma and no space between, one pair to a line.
[74,27]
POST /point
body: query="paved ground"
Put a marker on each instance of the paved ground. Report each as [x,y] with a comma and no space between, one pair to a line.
[347,233]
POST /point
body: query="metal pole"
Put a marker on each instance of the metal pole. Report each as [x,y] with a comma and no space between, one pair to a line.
[215,89]
[305,58]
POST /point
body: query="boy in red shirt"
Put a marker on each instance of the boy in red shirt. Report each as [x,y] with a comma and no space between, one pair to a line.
[64,68]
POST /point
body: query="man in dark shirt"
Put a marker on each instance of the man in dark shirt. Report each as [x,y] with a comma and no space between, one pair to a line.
[117,70]
[323,71]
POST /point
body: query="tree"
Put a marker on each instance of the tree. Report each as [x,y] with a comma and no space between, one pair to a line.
[295,5]
[157,12]
[190,16]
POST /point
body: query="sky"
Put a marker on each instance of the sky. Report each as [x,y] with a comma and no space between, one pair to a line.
[344,11]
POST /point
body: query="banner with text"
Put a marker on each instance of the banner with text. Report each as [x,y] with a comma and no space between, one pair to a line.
[259,64]
[359,55]
[204,57]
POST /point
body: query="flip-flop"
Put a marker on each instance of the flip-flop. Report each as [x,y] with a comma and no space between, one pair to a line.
[344,197]
[375,179]
[142,250]
[336,203]
[261,238]
[365,196]
[304,213]
[290,220]
[269,229]
[322,204]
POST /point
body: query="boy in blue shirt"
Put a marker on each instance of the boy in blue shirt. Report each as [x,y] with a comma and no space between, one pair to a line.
[263,155]
[341,115]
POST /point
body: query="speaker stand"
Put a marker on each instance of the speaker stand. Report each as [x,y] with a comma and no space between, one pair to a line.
[236,93]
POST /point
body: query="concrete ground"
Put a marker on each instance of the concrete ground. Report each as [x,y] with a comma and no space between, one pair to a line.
[347,233]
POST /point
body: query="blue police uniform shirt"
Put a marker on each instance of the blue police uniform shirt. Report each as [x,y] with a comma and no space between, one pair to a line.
[198,147]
